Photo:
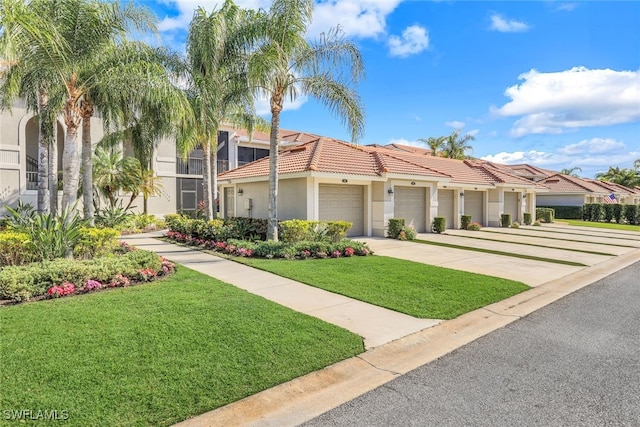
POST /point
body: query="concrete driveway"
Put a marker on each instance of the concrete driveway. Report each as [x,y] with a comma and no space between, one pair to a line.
[555,242]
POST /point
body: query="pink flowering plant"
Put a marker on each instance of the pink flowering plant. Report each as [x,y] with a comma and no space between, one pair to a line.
[120,280]
[66,288]
[92,285]
[147,274]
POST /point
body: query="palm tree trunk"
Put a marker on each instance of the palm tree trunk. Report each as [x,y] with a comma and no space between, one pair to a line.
[272,226]
[206,177]
[53,171]
[44,141]
[70,167]
[87,164]
[214,179]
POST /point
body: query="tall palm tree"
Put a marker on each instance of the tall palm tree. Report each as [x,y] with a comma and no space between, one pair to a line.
[218,90]
[627,177]
[286,65]
[23,25]
[435,144]
[456,146]
[571,171]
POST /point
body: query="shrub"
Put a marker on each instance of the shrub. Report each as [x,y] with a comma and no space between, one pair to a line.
[545,214]
[95,242]
[515,224]
[597,212]
[537,224]
[21,283]
[631,214]
[296,230]
[407,233]
[527,218]
[608,212]
[566,212]
[112,217]
[465,220]
[617,212]
[474,226]
[15,248]
[505,220]
[439,224]
[395,227]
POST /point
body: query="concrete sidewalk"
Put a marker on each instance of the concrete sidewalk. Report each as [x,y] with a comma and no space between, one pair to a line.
[376,325]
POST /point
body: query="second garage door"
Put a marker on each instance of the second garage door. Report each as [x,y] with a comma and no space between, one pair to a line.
[410,203]
[445,206]
[343,203]
[473,205]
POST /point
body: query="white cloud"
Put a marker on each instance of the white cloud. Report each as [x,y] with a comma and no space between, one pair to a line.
[473,132]
[592,146]
[592,155]
[414,40]
[552,103]
[456,124]
[504,25]
[565,7]
[357,18]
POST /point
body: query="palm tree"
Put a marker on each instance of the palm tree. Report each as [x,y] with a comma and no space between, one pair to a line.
[571,171]
[456,146]
[626,177]
[286,65]
[435,144]
[21,26]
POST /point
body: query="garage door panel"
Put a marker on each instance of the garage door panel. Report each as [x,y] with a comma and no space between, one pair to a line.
[445,206]
[474,205]
[343,203]
[410,203]
[511,204]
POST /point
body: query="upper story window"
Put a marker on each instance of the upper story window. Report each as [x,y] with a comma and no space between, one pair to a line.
[249,154]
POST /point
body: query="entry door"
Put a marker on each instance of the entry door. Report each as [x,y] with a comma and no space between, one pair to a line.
[229,203]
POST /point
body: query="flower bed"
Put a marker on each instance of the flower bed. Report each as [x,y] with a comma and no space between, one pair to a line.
[271,249]
[62,277]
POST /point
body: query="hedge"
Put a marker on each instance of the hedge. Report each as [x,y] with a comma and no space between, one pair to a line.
[395,227]
[545,215]
[566,212]
[597,212]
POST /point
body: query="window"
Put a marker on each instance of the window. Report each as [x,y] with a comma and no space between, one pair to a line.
[249,154]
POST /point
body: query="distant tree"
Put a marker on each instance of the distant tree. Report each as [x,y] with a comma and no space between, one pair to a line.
[571,171]
[627,177]
[455,146]
[435,144]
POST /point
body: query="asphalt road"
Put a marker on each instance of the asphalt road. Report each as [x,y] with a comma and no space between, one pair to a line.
[575,362]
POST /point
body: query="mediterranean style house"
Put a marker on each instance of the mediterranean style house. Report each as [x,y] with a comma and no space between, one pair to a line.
[322,179]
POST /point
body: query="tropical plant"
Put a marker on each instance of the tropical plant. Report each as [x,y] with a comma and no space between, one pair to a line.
[113,172]
[571,171]
[286,65]
[455,146]
[626,177]
[218,90]
[435,144]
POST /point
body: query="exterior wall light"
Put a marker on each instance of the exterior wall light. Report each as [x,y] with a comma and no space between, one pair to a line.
[390,190]
[240,191]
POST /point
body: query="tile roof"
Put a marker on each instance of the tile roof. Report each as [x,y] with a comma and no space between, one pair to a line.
[560,183]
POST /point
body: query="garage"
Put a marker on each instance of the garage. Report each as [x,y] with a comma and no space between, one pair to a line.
[445,206]
[343,203]
[410,203]
[474,205]
[511,205]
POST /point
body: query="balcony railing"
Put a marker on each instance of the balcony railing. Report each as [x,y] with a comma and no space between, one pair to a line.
[190,166]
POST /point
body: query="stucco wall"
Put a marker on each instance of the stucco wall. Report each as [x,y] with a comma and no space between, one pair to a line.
[292,199]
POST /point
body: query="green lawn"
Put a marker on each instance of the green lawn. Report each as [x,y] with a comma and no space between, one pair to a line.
[413,288]
[158,353]
[608,225]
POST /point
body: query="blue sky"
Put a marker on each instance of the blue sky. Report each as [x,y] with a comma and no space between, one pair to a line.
[550,83]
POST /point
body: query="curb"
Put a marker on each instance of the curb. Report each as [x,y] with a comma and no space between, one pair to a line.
[306,397]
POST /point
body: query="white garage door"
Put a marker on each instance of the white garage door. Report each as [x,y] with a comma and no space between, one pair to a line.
[445,206]
[343,203]
[473,205]
[511,205]
[410,203]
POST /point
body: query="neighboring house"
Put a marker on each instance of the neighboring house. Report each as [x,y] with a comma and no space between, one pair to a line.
[326,179]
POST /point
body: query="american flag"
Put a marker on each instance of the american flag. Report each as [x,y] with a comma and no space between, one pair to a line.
[611,198]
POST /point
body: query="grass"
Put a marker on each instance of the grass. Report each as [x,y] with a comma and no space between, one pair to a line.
[491,251]
[409,287]
[608,225]
[158,353]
